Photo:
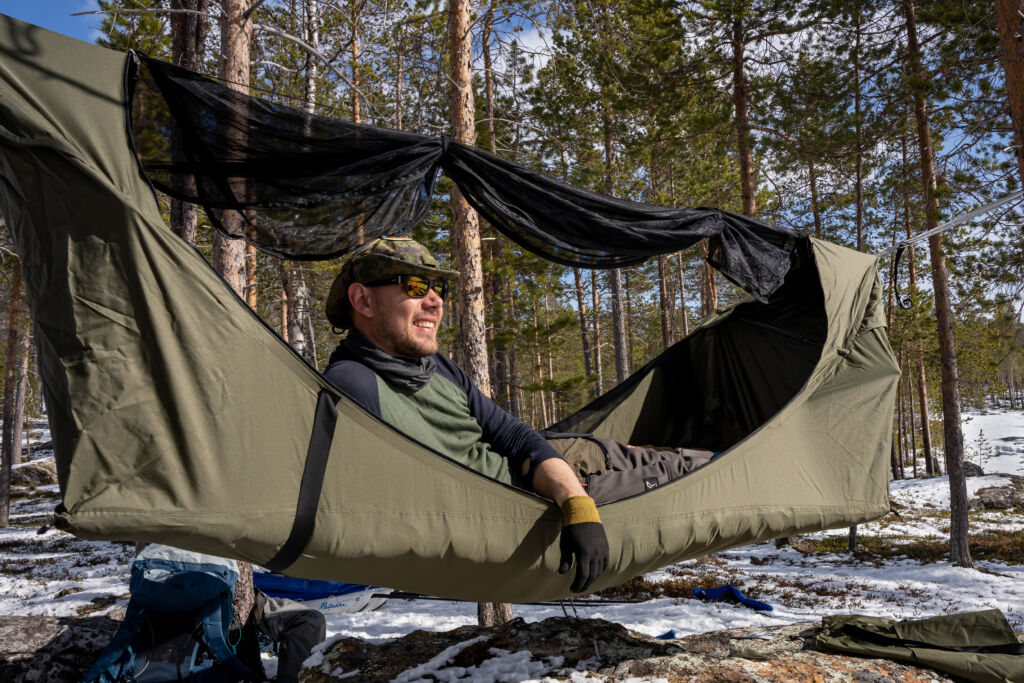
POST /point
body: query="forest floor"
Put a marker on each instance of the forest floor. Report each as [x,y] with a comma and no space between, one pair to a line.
[900,569]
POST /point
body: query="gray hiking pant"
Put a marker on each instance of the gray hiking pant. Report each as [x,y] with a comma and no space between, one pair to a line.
[610,470]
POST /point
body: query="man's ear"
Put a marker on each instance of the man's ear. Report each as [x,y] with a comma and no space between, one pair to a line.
[360,299]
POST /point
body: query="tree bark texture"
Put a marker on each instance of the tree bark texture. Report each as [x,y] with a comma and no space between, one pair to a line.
[685,330]
[7,444]
[230,261]
[596,308]
[709,288]
[739,99]
[20,387]
[1010,18]
[466,220]
[235,34]
[188,47]
[615,275]
[859,154]
[664,293]
[618,325]
[952,430]
[581,310]
[466,229]
[357,116]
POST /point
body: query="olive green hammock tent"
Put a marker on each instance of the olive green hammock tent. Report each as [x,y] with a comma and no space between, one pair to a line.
[179,417]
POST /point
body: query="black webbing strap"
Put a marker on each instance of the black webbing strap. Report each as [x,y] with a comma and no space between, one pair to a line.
[861,633]
[903,302]
[312,483]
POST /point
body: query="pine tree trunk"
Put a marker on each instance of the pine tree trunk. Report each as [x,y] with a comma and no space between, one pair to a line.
[900,424]
[922,385]
[859,154]
[615,275]
[682,295]
[21,386]
[581,310]
[1010,18]
[466,228]
[951,420]
[628,324]
[618,325]
[188,43]
[357,116]
[7,444]
[739,99]
[812,172]
[663,299]
[709,289]
[596,312]
[230,261]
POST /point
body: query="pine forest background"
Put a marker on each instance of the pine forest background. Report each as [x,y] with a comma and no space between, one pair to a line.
[802,113]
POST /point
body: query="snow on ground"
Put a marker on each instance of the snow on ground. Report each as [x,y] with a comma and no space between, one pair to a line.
[901,574]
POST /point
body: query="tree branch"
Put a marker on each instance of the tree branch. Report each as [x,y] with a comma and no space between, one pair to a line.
[298,41]
[153,10]
[255,6]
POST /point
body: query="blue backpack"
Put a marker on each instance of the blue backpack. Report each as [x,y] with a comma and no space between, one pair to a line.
[177,622]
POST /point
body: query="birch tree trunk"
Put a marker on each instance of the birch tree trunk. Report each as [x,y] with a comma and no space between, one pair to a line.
[952,429]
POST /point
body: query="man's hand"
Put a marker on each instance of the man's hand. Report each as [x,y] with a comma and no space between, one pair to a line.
[583,537]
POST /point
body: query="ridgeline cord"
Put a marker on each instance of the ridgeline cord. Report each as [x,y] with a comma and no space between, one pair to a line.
[901,247]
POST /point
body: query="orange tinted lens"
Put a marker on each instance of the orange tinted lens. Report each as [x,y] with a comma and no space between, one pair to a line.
[417,286]
[440,287]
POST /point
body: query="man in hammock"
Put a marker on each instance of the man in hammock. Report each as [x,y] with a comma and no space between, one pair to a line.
[390,295]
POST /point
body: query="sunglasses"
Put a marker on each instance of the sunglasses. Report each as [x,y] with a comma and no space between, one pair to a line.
[416,286]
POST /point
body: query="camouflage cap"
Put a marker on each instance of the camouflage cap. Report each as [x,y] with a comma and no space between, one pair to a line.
[380,258]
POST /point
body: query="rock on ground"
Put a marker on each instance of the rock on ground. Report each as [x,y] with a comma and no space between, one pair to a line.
[1000,497]
[34,474]
[51,649]
[561,645]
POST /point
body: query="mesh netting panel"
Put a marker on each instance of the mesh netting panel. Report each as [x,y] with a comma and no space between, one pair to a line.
[312,187]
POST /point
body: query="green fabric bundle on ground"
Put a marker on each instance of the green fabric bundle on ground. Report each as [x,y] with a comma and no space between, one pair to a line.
[943,643]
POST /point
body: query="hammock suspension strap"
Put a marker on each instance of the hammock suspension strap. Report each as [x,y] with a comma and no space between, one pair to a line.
[312,483]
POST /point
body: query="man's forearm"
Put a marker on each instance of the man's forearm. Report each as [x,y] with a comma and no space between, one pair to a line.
[554,479]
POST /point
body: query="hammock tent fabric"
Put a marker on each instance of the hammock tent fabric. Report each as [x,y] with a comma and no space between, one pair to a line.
[179,417]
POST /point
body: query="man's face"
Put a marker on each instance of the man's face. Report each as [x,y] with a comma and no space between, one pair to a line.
[397,323]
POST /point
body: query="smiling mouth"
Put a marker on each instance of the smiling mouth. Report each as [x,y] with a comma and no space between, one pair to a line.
[425,324]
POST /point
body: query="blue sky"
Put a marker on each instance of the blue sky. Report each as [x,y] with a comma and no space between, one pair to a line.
[56,15]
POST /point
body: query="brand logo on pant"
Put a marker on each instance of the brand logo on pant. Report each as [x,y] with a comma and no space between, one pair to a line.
[650,483]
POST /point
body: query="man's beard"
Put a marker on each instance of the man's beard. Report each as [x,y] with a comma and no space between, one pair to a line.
[404,344]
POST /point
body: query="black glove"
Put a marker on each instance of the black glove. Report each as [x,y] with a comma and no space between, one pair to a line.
[583,537]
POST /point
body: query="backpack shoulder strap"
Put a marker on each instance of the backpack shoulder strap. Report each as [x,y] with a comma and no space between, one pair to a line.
[215,619]
[118,658]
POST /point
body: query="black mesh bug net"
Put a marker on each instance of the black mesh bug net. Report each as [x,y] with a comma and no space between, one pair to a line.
[312,187]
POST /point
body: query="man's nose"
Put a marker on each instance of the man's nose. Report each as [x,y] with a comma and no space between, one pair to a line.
[433,299]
